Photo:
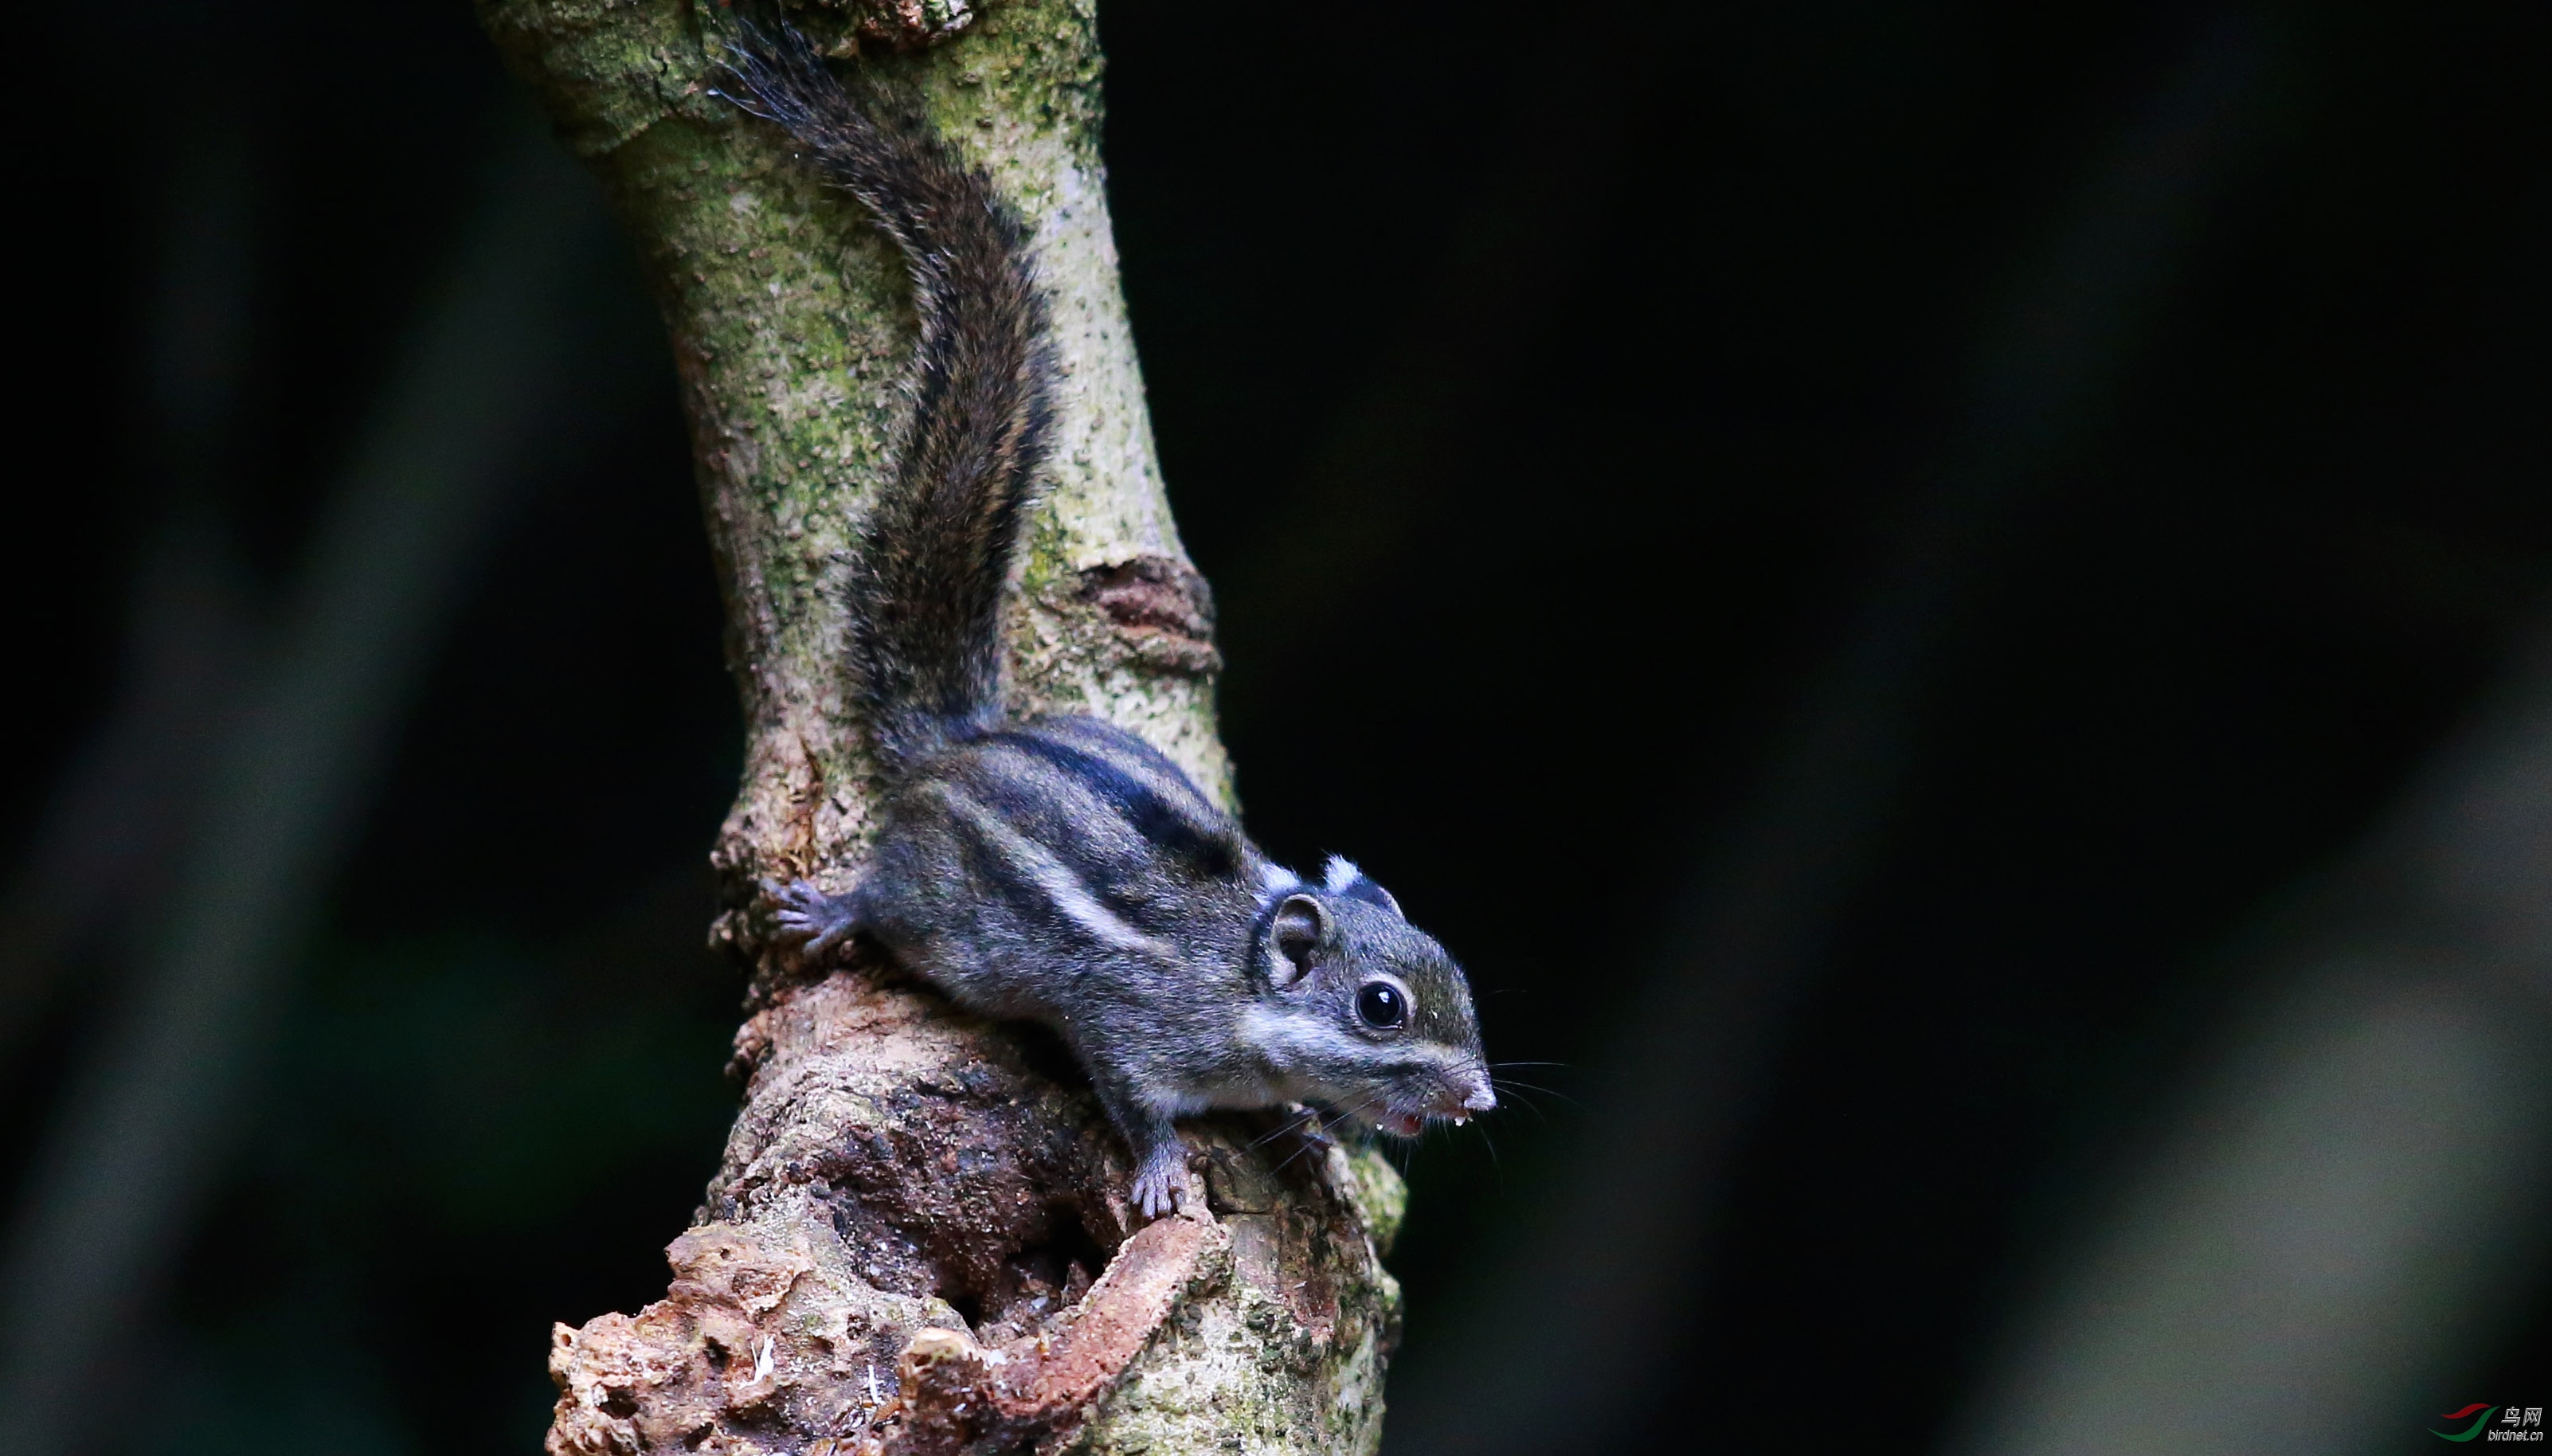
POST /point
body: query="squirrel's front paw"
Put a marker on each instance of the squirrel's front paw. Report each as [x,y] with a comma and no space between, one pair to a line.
[806,914]
[1158,1184]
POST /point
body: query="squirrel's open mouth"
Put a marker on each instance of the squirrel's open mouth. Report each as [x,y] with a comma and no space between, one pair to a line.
[1403,1124]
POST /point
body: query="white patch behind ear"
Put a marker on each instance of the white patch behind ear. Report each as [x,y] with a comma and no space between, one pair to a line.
[1276,882]
[1343,878]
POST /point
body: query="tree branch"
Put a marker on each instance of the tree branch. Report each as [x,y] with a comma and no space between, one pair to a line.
[918,1238]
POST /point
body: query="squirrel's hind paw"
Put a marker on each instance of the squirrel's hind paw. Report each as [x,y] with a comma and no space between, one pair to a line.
[806,914]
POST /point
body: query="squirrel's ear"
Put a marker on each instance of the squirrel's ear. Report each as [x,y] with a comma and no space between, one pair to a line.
[1301,924]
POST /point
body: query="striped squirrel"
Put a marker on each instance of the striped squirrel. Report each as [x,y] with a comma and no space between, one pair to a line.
[1060,869]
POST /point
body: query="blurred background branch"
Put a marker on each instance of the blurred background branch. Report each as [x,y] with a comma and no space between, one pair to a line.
[149,1113]
[2348,1207]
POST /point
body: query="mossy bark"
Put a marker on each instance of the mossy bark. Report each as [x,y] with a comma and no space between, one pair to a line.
[898,1250]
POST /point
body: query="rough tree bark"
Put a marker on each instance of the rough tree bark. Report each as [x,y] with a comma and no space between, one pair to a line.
[917,1239]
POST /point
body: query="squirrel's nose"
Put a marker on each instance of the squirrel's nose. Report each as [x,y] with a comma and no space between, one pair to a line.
[1459,1103]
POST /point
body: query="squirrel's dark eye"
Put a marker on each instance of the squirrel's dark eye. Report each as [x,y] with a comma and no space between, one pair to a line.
[1382,1005]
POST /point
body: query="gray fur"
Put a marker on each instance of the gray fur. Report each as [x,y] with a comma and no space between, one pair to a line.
[1061,870]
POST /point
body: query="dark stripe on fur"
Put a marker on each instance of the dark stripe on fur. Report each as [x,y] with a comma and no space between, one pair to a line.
[935,552]
[1115,744]
[1152,817]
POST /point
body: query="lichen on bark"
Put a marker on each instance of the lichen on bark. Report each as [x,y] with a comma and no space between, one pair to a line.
[917,1239]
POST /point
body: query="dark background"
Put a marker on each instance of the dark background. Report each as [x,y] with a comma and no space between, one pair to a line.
[2006,495]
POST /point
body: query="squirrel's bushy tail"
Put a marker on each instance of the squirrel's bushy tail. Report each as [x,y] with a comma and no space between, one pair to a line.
[935,553]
